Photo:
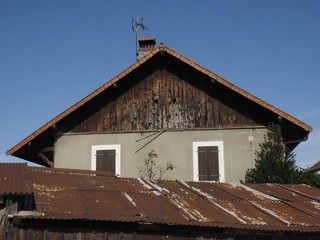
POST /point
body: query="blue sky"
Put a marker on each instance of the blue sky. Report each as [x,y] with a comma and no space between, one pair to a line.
[54,53]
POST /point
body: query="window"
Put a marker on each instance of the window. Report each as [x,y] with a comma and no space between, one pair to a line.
[106,158]
[208,162]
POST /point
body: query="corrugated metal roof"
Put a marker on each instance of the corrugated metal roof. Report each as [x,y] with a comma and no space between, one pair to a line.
[13,179]
[281,192]
[312,193]
[67,195]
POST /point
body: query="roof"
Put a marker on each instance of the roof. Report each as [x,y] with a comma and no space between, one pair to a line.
[84,195]
[161,49]
[314,168]
[13,179]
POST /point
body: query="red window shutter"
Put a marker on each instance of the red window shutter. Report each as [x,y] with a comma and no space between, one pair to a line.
[208,162]
[106,160]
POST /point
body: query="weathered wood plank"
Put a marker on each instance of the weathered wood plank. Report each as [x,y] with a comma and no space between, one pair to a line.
[165,101]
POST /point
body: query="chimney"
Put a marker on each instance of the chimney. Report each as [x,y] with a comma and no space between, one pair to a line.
[146,45]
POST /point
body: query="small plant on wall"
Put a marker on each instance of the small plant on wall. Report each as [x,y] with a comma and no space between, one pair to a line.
[152,170]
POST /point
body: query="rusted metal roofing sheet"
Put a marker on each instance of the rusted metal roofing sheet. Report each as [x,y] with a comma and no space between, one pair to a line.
[170,189]
[312,193]
[68,195]
[242,192]
[287,214]
[202,211]
[247,213]
[279,192]
[209,190]
[311,208]
[13,179]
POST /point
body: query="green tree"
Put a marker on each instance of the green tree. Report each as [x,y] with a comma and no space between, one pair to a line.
[273,164]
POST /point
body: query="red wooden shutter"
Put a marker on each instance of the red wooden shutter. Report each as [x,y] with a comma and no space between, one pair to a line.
[106,160]
[208,160]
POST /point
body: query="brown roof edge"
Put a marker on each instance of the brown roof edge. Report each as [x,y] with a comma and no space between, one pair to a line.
[67,171]
[160,48]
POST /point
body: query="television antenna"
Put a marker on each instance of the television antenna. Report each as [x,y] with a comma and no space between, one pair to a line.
[136,26]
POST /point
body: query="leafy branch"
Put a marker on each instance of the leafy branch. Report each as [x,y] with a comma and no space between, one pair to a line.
[152,170]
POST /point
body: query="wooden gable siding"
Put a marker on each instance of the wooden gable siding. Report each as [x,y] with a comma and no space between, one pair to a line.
[161,101]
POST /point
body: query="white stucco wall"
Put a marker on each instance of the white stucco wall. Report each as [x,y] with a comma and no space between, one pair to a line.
[75,150]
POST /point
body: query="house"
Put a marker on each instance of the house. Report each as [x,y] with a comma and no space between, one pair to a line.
[314,168]
[48,203]
[204,125]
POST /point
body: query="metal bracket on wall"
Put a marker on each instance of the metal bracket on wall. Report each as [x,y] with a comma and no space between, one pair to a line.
[156,134]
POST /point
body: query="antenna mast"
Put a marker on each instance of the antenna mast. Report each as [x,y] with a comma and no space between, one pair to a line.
[136,26]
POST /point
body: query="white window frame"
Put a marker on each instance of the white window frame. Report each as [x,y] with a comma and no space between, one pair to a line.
[219,144]
[115,147]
